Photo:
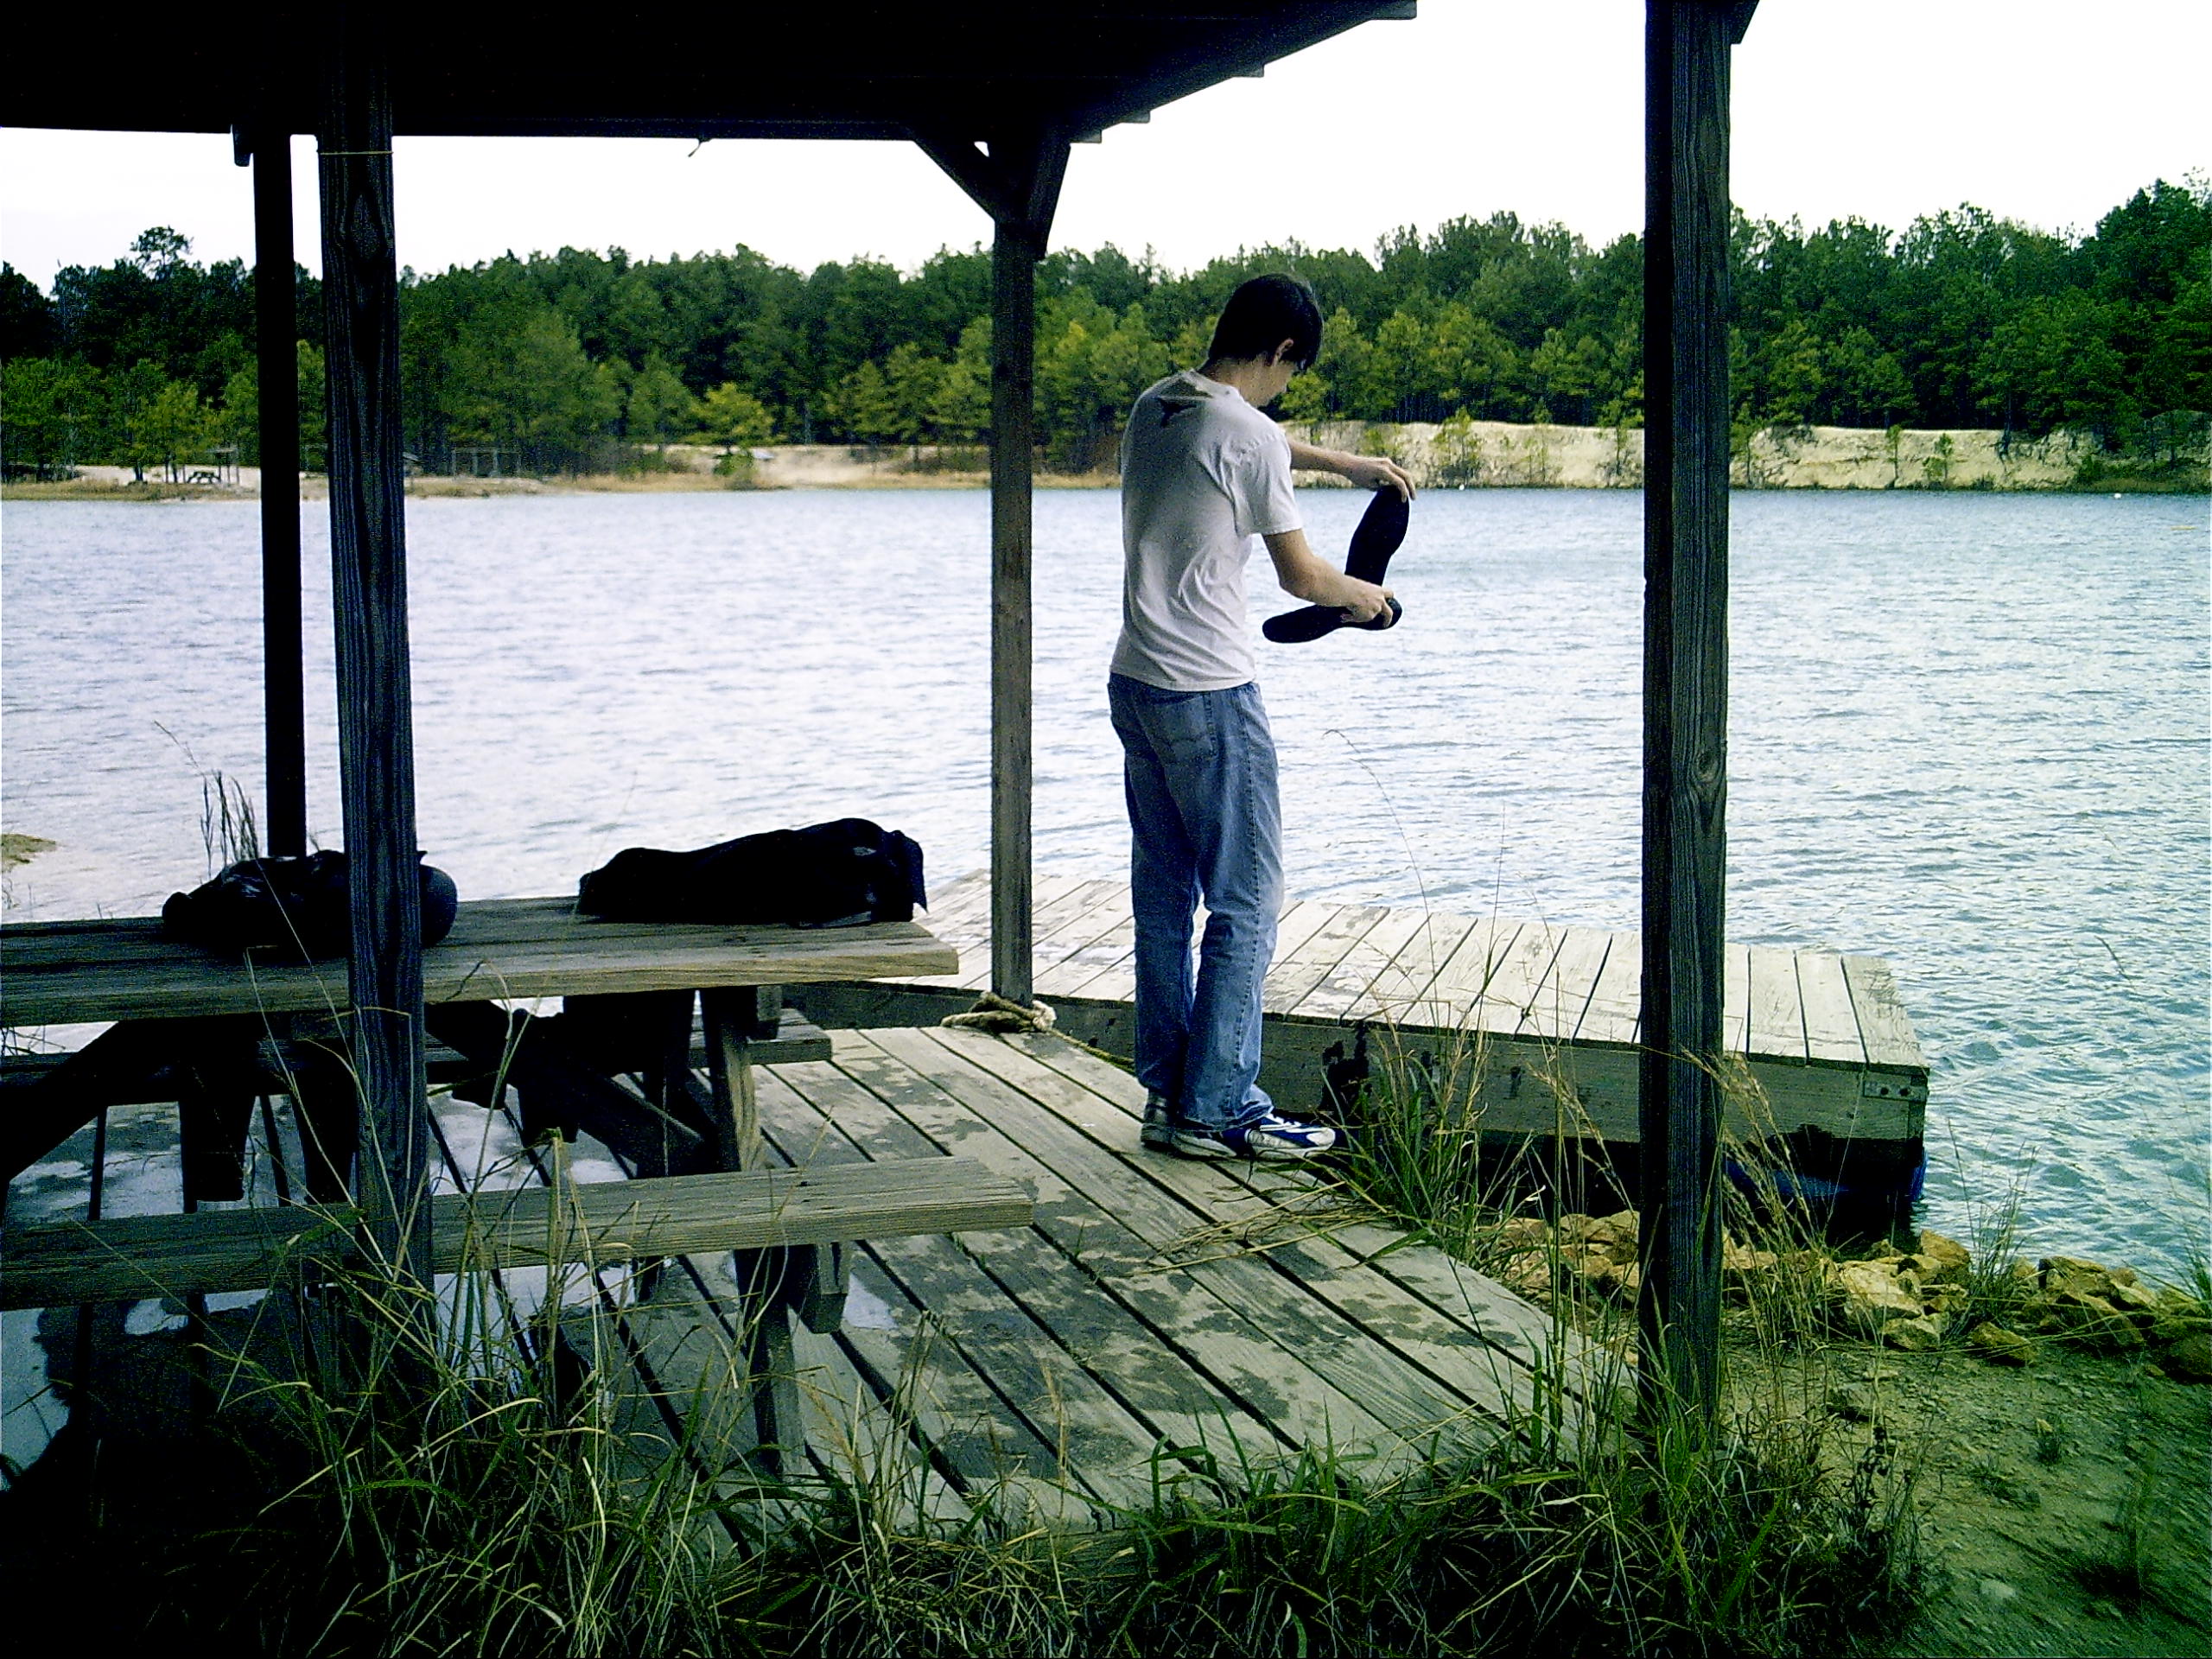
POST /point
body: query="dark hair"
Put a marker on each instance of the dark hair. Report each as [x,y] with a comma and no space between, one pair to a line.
[1264,313]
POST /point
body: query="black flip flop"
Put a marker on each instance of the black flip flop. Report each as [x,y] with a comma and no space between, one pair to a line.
[1382,528]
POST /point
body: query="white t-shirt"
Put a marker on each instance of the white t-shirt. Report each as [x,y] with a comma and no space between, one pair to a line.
[1204,474]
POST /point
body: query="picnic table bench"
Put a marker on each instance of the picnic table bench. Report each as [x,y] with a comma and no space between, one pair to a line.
[214,1034]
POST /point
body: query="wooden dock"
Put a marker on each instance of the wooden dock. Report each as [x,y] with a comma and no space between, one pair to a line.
[1155,1302]
[1553,1009]
[1159,1316]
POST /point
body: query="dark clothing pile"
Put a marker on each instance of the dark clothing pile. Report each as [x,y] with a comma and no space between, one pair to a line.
[830,874]
[290,909]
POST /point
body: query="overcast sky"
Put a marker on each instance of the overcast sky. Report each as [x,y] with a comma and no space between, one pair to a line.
[2039,110]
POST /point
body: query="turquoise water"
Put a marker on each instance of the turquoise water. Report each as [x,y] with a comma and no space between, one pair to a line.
[1969,735]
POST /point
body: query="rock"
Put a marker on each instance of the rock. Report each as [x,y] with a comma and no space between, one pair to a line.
[1529,1272]
[1524,1233]
[1852,1403]
[2130,1297]
[1997,1591]
[1575,1230]
[2177,1315]
[2189,1360]
[1744,1265]
[1948,1259]
[1616,1235]
[2090,1319]
[2000,1346]
[1918,1334]
[1947,1300]
[1869,1297]
[2063,1272]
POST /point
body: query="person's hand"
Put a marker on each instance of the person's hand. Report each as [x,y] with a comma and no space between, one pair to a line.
[1367,600]
[1378,473]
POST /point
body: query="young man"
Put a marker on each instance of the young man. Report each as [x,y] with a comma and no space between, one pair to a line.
[1203,474]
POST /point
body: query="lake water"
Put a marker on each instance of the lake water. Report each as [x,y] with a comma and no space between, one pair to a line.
[1969,735]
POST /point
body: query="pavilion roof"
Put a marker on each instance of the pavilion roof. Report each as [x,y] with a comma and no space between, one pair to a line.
[943,69]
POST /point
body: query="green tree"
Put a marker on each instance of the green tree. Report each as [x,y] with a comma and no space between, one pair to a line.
[911,382]
[1790,376]
[961,411]
[659,403]
[1564,376]
[50,412]
[864,407]
[733,417]
[1868,385]
[534,388]
[314,406]
[163,421]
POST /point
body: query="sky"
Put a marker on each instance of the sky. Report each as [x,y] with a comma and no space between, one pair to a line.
[2037,110]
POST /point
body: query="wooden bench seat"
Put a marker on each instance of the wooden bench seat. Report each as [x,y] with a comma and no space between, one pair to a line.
[139,1256]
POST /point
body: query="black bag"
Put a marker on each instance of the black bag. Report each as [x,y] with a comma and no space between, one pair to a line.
[825,875]
[295,909]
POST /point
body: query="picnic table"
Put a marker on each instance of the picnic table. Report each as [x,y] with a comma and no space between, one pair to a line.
[646,1005]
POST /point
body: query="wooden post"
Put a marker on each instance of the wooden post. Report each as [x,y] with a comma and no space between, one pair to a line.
[1018,184]
[1685,689]
[277,360]
[368,552]
[1014,252]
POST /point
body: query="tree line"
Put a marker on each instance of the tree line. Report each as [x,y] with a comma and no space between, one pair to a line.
[1963,320]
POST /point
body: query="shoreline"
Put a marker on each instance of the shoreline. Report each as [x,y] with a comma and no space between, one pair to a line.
[1457,454]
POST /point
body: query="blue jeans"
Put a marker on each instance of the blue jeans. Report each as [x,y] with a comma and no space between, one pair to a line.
[1199,768]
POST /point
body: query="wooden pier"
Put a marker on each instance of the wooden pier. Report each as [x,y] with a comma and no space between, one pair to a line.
[1155,1319]
[1553,1009]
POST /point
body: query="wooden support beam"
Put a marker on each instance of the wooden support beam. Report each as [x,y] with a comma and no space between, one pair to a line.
[277,363]
[1013,300]
[1018,184]
[61,1265]
[1685,691]
[368,552]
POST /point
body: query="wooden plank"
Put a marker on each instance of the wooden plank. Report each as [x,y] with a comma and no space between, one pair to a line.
[898,1348]
[1777,1017]
[1067,919]
[1094,1435]
[1562,997]
[1229,1326]
[124,970]
[1474,990]
[1482,985]
[861,1446]
[1884,1025]
[1177,1406]
[1396,987]
[1455,1291]
[214,1250]
[1736,1000]
[1345,983]
[1333,1320]
[1105,962]
[1294,976]
[960,902]
[1831,1027]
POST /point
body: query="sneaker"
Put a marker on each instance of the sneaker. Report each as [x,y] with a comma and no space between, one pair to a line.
[1271,1136]
[1158,1131]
